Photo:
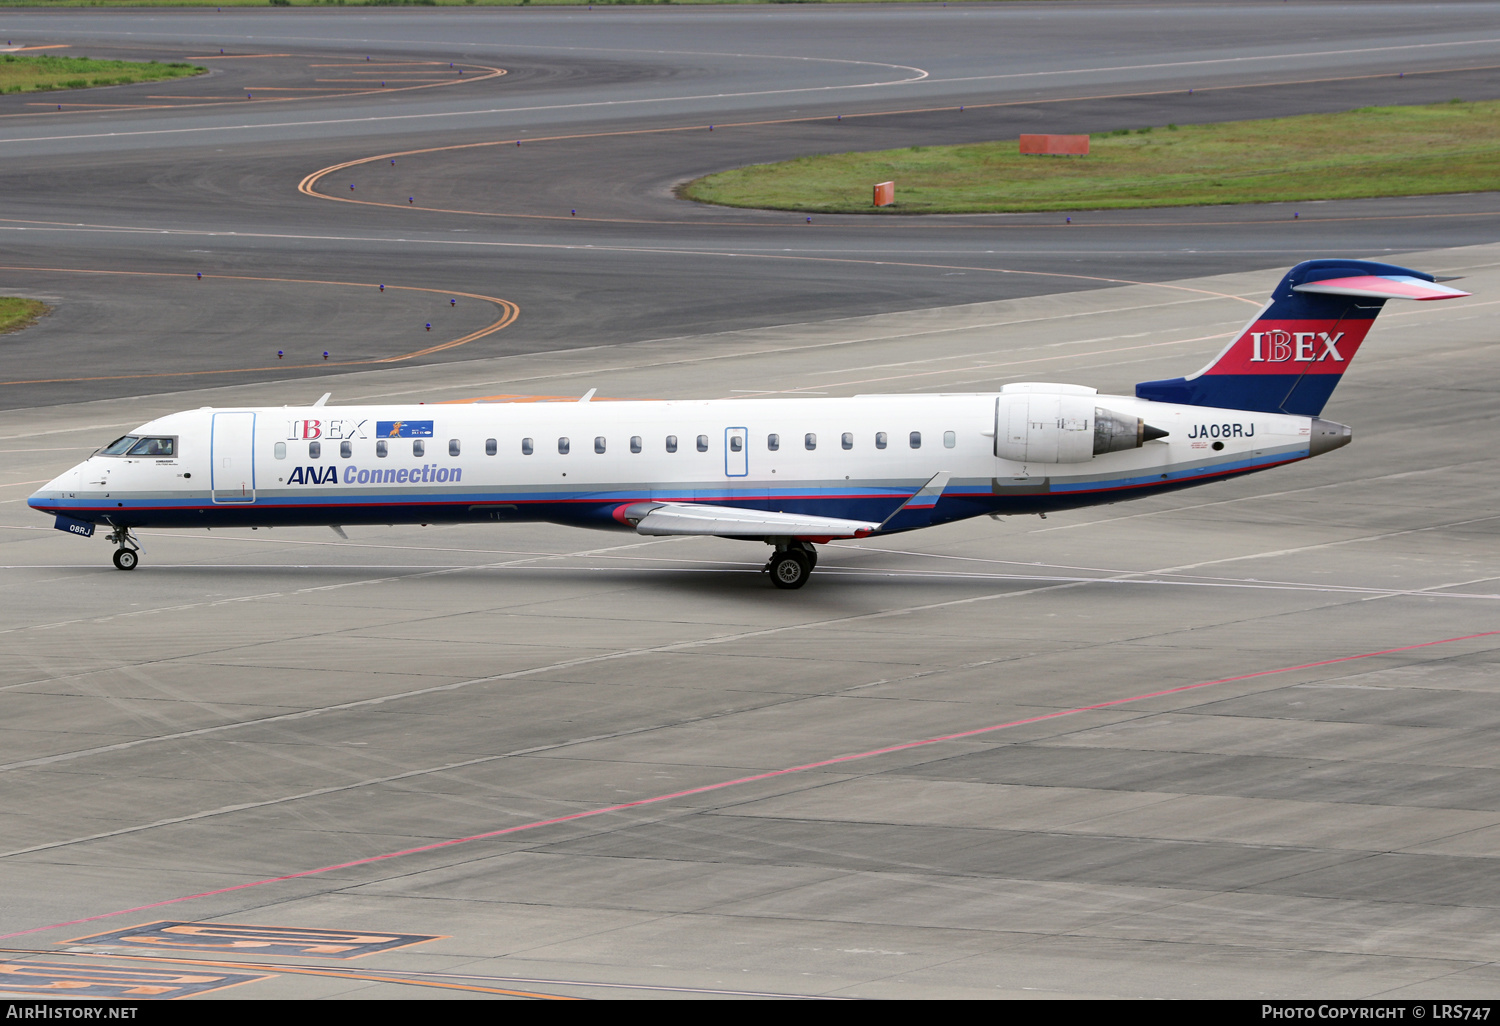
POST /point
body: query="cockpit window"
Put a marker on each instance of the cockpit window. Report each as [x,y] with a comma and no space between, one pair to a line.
[153,447]
[119,446]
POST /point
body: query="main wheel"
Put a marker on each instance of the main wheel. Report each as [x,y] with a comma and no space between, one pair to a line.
[790,568]
[126,559]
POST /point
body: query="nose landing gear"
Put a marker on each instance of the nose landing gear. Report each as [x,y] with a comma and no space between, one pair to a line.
[127,550]
[790,567]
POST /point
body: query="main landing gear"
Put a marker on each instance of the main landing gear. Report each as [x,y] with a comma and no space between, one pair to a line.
[789,567]
[127,550]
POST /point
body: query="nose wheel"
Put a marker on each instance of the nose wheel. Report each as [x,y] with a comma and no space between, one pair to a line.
[127,550]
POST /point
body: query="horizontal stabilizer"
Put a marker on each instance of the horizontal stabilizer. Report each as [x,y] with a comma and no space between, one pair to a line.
[669,518]
[1382,286]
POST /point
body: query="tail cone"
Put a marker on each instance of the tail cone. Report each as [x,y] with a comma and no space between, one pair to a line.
[1328,435]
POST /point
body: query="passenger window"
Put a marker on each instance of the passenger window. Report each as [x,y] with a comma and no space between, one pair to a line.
[525,447]
[563,445]
[280,450]
[314,450]
[491,447]
[703,443]
[453,448]
[848,440]
[671,443]
[916,439]
[811,440]
[949,439]
[346,449]
[736,443]
[773,442]
[635,443]
[880,439]
[418,447]
[599,444]
[380,448]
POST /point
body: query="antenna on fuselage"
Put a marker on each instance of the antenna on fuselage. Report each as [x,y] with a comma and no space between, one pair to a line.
[588,395]
[326,396]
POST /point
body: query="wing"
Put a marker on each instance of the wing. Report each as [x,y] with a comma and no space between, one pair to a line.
[733,522]
[661,518]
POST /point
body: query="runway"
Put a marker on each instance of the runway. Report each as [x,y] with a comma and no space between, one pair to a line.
[1234,742]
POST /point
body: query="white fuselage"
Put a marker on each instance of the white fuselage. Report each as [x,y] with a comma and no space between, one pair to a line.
[581,462]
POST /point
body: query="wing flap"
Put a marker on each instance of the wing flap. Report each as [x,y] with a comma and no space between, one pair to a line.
[669,518]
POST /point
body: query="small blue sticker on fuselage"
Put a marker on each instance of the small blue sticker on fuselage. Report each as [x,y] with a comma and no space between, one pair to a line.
[403,429]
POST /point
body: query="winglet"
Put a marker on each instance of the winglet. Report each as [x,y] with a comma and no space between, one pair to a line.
[927,497]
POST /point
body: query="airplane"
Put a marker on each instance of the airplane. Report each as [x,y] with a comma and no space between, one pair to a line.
[790,472]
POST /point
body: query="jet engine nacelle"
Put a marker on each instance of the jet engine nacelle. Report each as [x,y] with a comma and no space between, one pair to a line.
[1042,427]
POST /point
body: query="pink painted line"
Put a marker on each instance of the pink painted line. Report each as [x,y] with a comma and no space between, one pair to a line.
[768,775]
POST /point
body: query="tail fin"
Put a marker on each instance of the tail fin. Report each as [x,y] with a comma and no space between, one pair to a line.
[1290,357]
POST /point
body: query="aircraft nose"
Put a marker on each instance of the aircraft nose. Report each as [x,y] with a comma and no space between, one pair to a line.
[45,497]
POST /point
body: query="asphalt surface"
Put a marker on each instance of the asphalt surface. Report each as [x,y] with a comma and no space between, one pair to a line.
[613,108]
[219,735]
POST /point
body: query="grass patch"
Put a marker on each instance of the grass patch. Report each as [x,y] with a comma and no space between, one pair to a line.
[17,313]
[21,73]
[1373,151]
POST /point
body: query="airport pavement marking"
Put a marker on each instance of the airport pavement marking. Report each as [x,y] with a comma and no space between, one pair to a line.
[854,382]
[63,981]
[308,184]
[1229,60]
[190,935]
[655,251]
[54,109]
[444,114]
[509,311]
[1463,465]
[756,777]
[765,92]
[88,106]
[672,251]
[420,978]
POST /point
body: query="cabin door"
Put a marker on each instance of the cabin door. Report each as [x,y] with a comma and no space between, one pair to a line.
[736,452]
[232,445]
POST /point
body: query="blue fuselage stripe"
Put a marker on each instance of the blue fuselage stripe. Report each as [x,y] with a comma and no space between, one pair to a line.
[961,500]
